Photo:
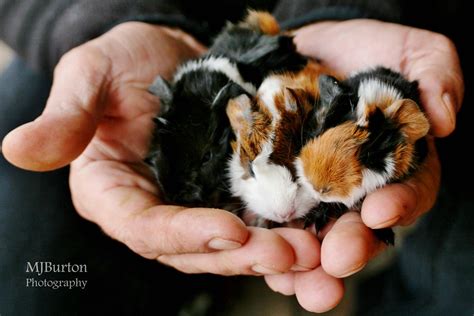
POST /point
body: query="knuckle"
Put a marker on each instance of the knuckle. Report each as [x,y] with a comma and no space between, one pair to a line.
[87,60]
[176,239]
[227,267]
[443,39]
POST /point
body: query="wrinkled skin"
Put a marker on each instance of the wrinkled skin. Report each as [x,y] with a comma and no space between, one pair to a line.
[97,118]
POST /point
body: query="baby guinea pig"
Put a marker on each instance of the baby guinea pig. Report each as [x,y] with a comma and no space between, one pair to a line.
[191,141]
[269,135]
[382,143]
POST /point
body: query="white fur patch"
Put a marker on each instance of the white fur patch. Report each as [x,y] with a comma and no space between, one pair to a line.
[372,180]
[271,193]
[389,166]
[162,120]
[374,91]
[220,64]
[267,91]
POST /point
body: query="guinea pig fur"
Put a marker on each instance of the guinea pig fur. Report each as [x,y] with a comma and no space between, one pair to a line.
[383,142]
[191,140]
[269,135]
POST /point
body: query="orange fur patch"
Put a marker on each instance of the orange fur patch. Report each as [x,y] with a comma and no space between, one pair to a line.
[413,123]
[252,127]
[403,158]
[263,22]
[330,161]
[255,137]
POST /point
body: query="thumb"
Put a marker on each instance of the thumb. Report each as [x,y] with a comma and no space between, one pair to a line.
[432,60]
[70,117]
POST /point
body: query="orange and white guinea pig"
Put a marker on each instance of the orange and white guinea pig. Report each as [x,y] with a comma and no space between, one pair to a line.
[269,135]
[383,142]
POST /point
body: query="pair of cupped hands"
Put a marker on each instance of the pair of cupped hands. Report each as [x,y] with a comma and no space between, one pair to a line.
[98,120]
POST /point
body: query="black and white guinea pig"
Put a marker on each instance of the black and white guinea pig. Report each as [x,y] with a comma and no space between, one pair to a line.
[191,141]
[374,135]
[269,135]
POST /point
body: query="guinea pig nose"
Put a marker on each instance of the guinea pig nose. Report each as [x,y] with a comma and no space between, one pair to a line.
[191,193]
[286,216]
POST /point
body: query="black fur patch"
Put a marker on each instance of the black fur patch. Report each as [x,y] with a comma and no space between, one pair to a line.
[385,235]
[408,89]
[335,107]
[256,55]
[191,150]
[324,212]
[384,137]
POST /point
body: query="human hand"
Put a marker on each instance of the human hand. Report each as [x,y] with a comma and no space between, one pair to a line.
[431,59]
[98,116]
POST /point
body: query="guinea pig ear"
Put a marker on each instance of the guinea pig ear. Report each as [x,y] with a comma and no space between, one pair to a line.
[412,121]
[330,112]
[293,100]
[162,89]
[229,91]
[239,112]
[329,88]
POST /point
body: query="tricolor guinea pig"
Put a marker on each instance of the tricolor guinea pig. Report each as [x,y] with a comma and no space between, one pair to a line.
[191,141]
[377,137]
[269,135]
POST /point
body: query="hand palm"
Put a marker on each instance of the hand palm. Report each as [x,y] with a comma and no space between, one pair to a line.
[99,100]
[420,55]
[110,175]
[431,59]
[111,186]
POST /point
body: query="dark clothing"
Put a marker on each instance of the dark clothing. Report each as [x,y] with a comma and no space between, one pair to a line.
[55,26]
[433,273]
[432,276]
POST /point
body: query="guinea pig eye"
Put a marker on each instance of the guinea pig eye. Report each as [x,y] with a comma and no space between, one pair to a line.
[207,157]
[325,190]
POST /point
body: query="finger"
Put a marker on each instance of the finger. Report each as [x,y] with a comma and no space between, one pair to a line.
[432,59]
[124,204]
[326,229]
[348,246]
[70,118]
[403,203]
[305,246]
[318,291]
[425,56]
[361,36]
[282,283]
[265,252]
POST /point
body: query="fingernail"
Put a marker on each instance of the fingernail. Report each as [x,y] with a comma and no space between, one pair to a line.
[223,244]
[449,106]
[264,270]
[298,268]
[387,223]
[351,272]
